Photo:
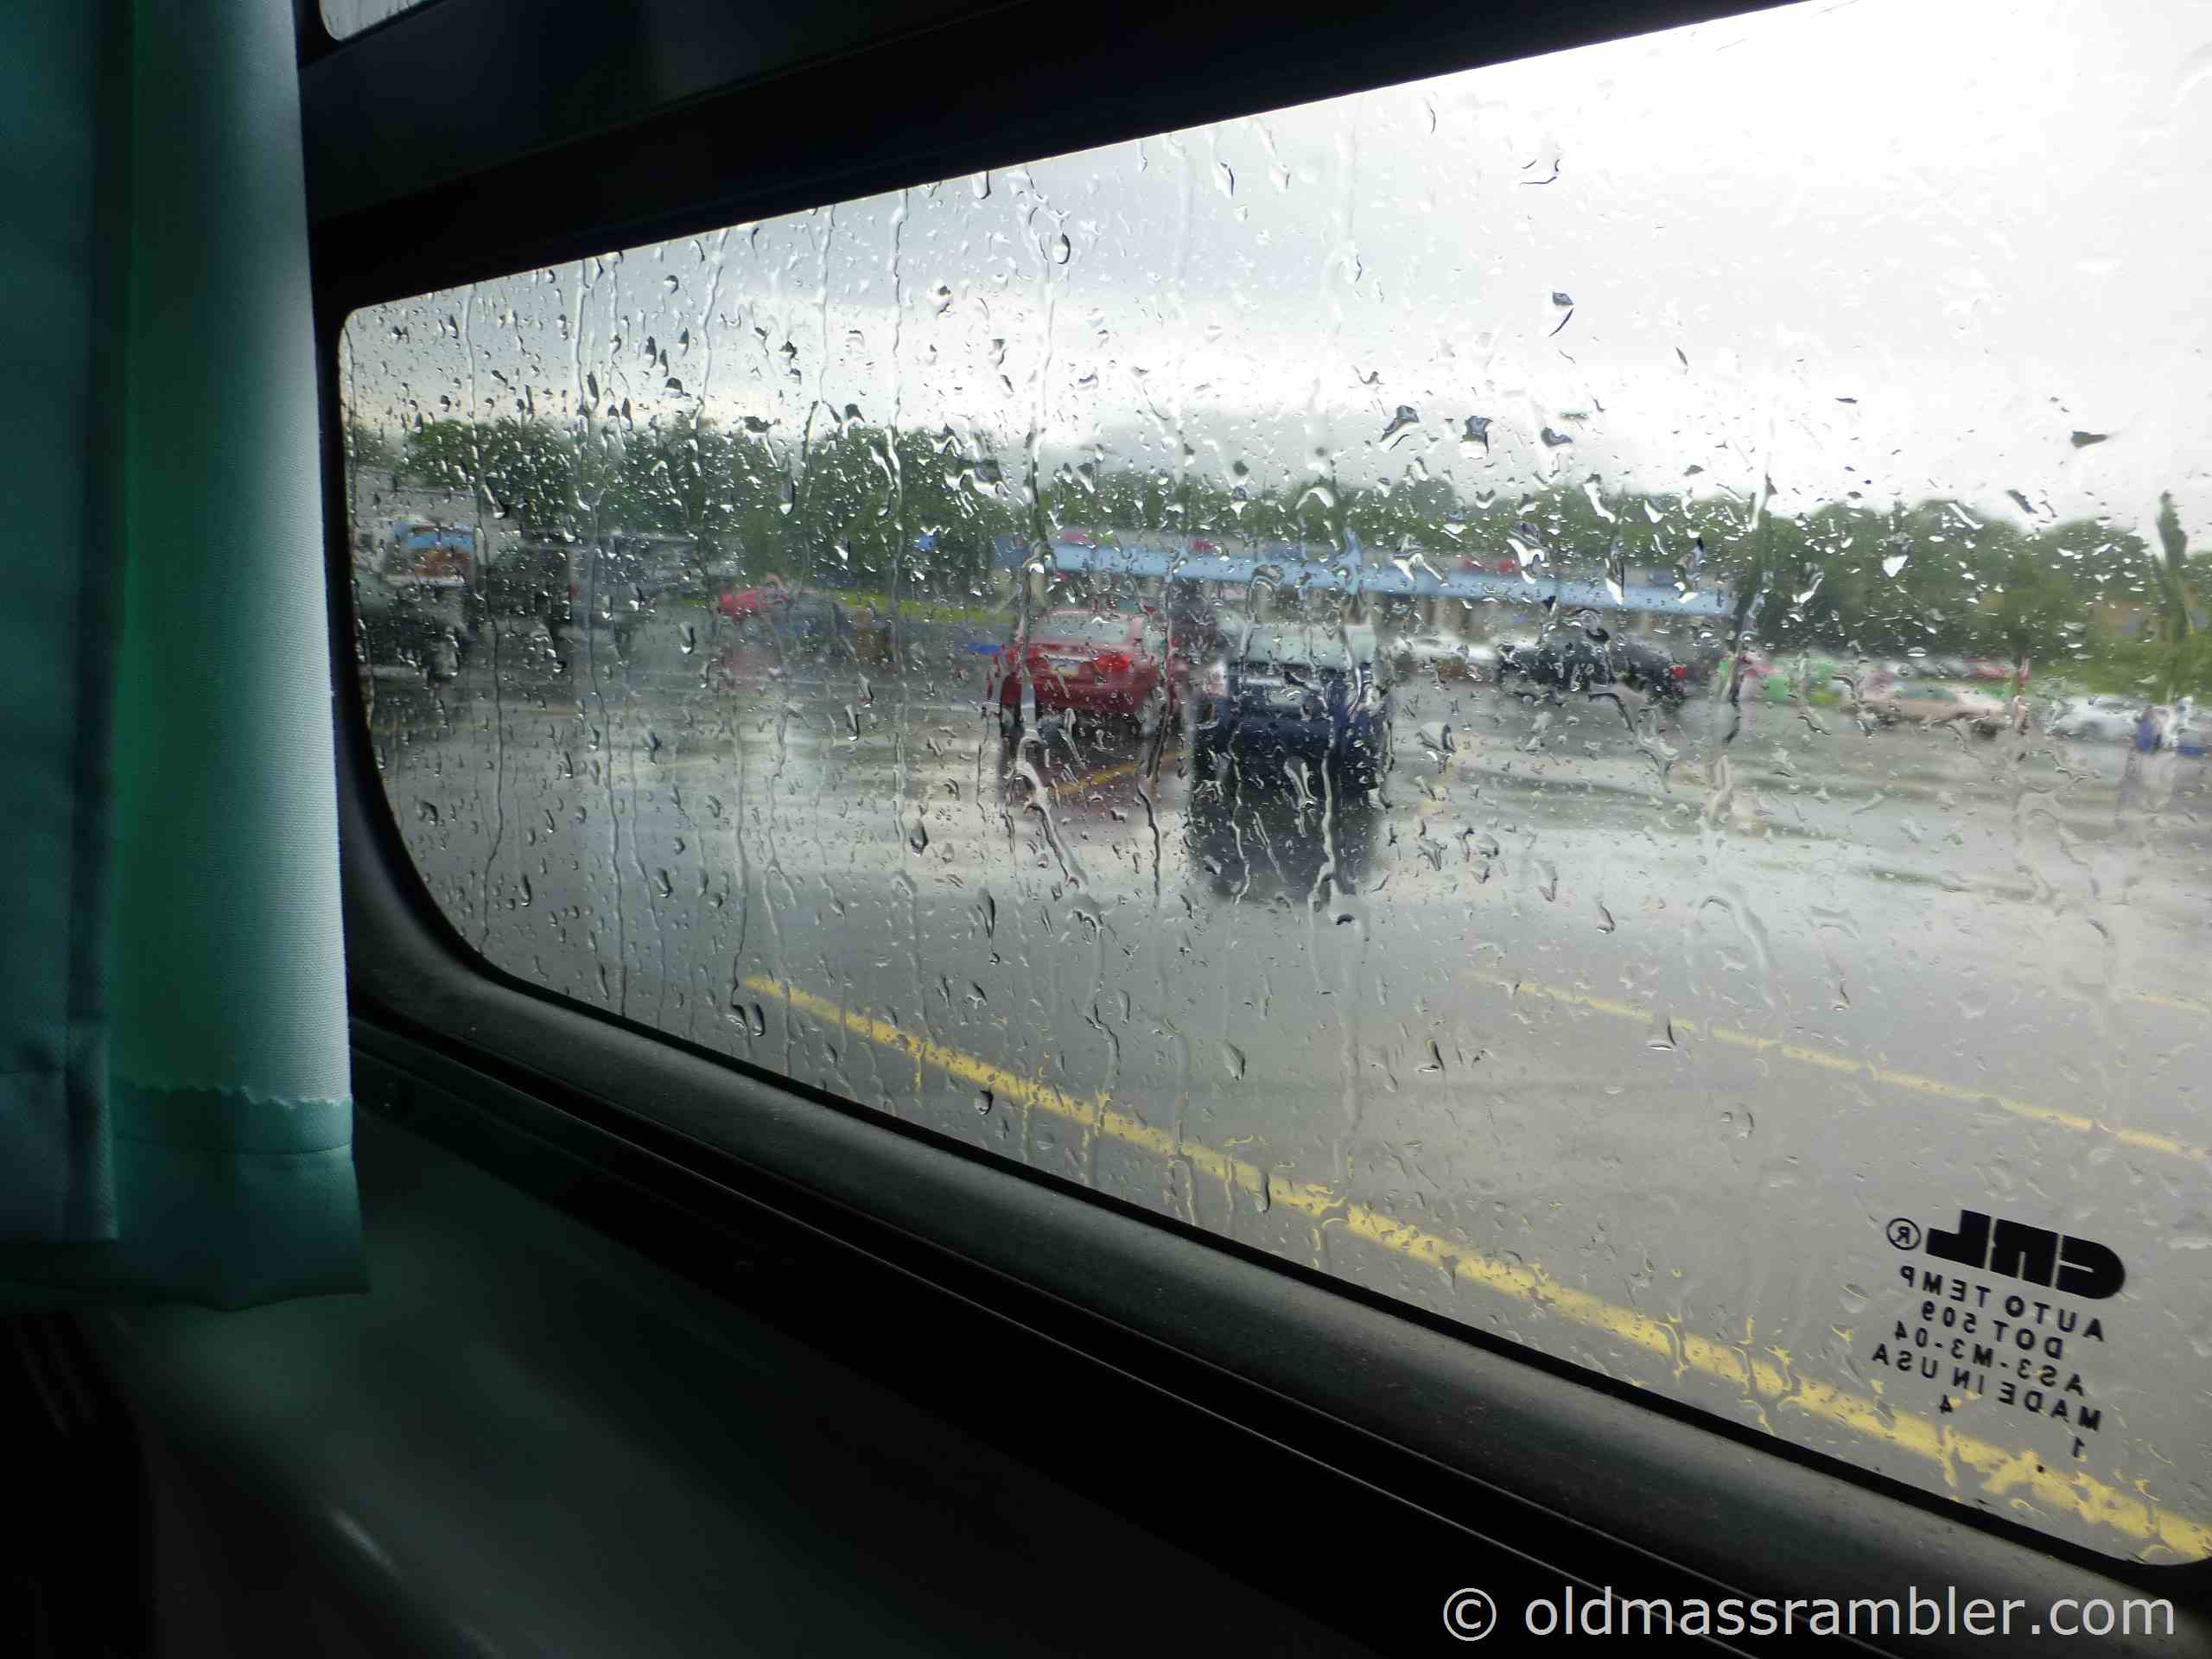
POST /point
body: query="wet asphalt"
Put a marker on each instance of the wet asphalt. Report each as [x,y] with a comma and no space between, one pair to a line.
[1591,1029]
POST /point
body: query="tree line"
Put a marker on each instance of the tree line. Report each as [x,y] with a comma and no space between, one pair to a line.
[845,501]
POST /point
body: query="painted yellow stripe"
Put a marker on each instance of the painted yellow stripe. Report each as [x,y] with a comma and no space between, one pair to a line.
[1819,1058]
[1824,1059]
[1766,1378]
[1091,780]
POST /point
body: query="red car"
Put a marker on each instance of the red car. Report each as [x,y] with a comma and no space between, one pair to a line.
[752,601]
[1104,664]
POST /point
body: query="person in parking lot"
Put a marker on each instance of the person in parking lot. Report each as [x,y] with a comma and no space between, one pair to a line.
[2147,778]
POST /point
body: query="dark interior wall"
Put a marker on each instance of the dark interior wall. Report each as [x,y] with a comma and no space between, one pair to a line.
[528,1438]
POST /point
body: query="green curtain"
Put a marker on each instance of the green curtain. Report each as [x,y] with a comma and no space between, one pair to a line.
[175,1119]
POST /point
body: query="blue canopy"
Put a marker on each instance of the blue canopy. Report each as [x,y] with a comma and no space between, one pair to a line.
[416,537]
[1295,565]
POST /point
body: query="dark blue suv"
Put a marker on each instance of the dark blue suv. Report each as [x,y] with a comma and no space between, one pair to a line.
[1296,703]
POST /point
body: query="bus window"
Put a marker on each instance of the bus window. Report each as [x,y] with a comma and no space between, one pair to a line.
[1760,970]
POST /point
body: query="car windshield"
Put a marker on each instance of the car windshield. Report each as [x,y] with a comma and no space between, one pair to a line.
[1774,1010]
[1314,649]
[1085,628]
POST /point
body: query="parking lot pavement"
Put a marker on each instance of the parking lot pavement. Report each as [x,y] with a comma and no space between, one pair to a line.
[1618,1040]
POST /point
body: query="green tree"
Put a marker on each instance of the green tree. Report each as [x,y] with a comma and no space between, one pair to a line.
[370,448]
[439,455]
[855,498]
[2174,598]
[523,470]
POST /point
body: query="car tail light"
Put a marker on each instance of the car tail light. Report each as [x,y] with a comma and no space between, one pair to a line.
[1114,662]
[1678,671]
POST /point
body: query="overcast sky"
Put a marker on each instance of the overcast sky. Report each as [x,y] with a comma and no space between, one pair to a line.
[1983,224]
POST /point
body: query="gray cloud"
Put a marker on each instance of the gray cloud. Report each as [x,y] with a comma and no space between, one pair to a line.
[1882,247]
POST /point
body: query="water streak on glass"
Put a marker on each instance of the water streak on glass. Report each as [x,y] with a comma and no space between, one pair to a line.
[1573,693]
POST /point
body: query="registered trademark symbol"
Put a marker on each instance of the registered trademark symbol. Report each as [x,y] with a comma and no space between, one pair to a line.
[1905,1235]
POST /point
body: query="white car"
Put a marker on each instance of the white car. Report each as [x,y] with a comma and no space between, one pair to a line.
[2104,720]
[1896,701]
[1482,658]
[2107,718]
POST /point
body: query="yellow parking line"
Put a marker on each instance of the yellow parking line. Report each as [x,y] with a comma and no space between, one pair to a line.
[1819,1058]
[1823,1059]
[1104,773]
[1091,780]
[1768,1378]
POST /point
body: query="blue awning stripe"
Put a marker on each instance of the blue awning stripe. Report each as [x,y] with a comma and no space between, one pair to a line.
[1297,570]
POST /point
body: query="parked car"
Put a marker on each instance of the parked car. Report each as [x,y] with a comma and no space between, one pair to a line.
[533,580]
[2110,718]
[1438,655]
[616,584]
[414,593]
[1590,660]
[2095,720]
[1107,665]
[672,571]
[811,623]
[741,603]
[1896,700]
[1298,691]
[797,621]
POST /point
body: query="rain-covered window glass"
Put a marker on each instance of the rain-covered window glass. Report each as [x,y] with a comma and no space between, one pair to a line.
[1085,627]
[1639,778]
[1307,647]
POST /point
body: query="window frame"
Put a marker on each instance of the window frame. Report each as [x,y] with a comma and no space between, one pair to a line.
[1457,1421]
